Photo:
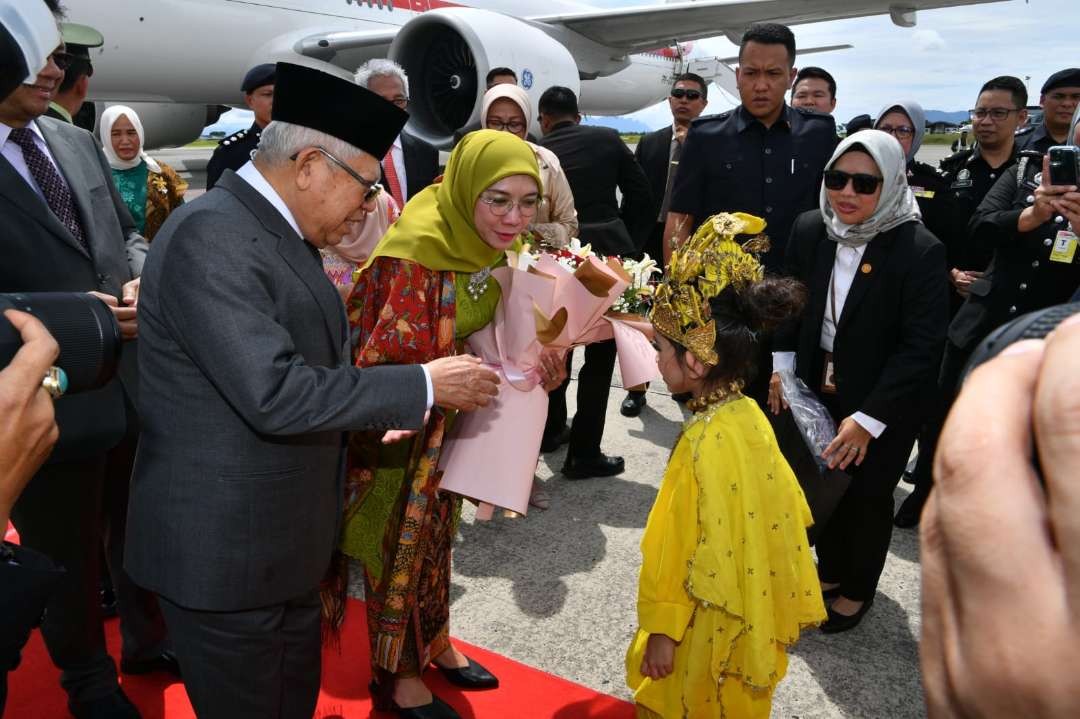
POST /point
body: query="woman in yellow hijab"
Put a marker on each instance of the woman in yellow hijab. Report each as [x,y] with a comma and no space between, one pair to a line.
[426,287]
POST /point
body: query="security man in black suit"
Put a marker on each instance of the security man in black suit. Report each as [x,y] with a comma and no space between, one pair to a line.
[658,153]
[764,157]
[969,175]
[1059,97]
[237,149]
[596,162]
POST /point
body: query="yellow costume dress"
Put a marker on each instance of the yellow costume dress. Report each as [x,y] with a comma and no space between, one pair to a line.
[726,570]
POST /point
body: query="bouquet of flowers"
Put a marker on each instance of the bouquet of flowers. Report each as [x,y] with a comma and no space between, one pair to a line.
[636,299]
[548,301]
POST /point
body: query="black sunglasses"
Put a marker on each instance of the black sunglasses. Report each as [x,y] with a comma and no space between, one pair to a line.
[679,93]
[863,183]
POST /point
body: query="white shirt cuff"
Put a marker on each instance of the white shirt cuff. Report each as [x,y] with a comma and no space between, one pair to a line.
[430,388]
[871,425]
[783,361]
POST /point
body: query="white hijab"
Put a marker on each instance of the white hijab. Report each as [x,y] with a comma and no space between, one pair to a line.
[108,118]
[896,205]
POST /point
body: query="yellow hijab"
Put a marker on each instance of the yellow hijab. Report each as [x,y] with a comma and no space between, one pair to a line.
[436,227]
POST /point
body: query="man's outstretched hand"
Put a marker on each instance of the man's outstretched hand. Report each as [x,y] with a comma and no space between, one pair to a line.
[462,382]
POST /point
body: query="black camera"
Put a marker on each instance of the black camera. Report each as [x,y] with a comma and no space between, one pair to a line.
[1064,165]
[1032,326]
[83,326]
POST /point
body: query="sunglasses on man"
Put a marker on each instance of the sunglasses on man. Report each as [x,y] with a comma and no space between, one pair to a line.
[863,183]
[679,93]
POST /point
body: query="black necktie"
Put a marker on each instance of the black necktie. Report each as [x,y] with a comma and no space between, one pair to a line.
[57,193]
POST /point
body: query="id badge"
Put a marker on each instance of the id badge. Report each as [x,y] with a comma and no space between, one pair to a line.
[828,377]
[1064,247]
[922,192]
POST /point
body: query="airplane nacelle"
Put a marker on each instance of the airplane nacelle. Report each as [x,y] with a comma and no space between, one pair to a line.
[447,53]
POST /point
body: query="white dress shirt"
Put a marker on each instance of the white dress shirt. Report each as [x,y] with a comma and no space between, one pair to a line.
[14,154]
[845,266]
[251,175]
[398,156]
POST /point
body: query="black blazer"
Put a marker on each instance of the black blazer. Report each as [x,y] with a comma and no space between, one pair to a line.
[596,162]
[421,164]
[891,332]
[653,153]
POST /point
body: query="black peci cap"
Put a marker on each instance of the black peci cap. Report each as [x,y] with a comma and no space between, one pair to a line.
[1062,78]
[339,107]
[258,76]
[859,122]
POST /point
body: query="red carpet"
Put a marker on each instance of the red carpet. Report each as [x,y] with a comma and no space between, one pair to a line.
[524,692]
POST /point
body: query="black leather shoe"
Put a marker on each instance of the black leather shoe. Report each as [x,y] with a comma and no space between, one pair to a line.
[110,706]
[682,397]
[165,663]
[550,443]
[600,466]
[910,511]
[837,622]
[437,709]
[631,406]
[473,676]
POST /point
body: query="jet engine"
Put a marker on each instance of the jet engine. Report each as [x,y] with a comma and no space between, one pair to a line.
[447,53]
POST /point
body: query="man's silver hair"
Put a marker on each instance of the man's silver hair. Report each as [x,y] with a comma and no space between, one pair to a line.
[282,140]
[381,67]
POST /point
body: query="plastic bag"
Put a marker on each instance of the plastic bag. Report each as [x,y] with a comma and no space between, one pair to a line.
[814,421]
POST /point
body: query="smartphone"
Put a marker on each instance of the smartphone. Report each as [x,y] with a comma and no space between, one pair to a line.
[1064,165]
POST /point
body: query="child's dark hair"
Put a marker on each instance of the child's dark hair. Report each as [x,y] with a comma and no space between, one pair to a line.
[742,317]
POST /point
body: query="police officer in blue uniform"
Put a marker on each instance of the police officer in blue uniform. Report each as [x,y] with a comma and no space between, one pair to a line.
[237,149]
[764,157]
[1059,98]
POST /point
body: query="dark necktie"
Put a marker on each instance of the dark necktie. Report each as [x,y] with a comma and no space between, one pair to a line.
[57,194]
[673,166]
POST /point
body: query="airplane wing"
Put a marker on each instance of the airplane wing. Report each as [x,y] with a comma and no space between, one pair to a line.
[636,29]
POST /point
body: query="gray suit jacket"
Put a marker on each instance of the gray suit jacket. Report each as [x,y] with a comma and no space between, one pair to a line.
[41,255]
[247,391]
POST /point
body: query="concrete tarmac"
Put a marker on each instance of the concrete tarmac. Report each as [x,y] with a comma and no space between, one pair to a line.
[557,589]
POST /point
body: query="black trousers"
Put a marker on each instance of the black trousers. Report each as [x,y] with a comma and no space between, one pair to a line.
[853,545]
[262,663]
[66,511]
[952,365]
[594,387]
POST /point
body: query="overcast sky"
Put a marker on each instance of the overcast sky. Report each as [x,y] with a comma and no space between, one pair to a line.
[941,62]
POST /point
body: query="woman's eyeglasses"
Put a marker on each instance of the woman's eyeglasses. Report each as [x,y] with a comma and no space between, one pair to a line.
[900,132]
[501,205]
[863,183]
[514,126]
[679,93]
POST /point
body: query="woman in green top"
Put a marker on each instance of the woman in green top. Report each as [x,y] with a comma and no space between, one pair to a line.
[424,290]
[150,189]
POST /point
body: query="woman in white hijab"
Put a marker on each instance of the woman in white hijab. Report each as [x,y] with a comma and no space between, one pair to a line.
[507,107]
[150,189]
[869,345]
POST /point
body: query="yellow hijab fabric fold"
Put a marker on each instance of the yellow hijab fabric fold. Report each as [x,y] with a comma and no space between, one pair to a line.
[436,227]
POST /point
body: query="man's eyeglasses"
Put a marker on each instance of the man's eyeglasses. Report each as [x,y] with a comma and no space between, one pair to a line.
[900,132]
[997,114]
[863,183]
[514,126]
[372,188]
[679,93]
[62,59]
[501,205]
[401,101]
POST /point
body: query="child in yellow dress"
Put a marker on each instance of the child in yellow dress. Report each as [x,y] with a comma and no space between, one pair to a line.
[727,579]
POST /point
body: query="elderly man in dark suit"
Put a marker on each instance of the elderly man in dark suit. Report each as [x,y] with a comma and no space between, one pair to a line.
[596,162]
[248,392]
[658,154]
[411,164]
[67,230]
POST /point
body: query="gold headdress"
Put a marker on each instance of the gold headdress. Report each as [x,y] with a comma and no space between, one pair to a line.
[702,268]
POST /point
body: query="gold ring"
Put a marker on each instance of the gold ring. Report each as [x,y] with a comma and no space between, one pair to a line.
[55,382]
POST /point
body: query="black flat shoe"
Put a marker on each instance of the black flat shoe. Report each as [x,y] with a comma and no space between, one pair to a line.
[631,406]
[165,663]
[110,706]
[830,594]
[472,676]
[601,466]
[837,622]
[436,709]
[910,511]
[550,443]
